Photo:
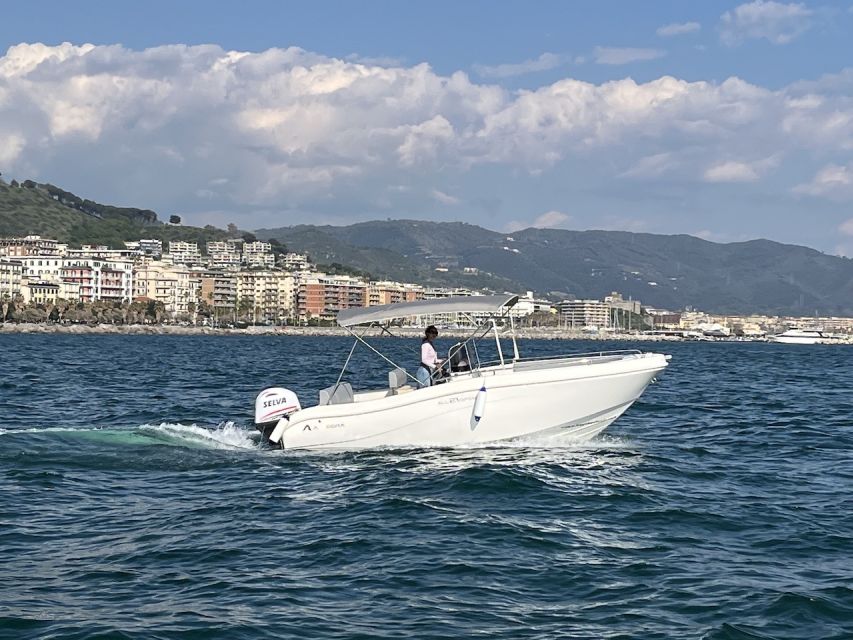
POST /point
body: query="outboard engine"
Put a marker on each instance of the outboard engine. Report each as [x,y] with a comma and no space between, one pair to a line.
[271,406]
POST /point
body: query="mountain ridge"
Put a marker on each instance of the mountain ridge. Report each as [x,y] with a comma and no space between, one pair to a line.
[669,271]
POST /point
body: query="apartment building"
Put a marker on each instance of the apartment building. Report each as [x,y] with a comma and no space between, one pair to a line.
[40,292]
[258,254]
[267,296]
[616,301]
[151,247]
[528,305]
[29,246]
[224,254]
[294,262]
[219,291]
[11,276]
[322,296]
[287,295]
[176,286]
[389,292]
[186,253]
[576,314]
[42,267]
[99,279]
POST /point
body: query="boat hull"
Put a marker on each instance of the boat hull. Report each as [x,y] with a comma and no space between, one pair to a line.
[572,398]
[795,340]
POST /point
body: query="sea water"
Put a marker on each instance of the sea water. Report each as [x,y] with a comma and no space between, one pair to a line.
[135,502]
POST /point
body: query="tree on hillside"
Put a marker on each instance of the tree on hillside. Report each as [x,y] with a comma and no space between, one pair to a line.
[173,219]
[278,247]
[232,229]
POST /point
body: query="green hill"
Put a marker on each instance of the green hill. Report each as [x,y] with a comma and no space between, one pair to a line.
[672,272]
[353,246]
[43,209]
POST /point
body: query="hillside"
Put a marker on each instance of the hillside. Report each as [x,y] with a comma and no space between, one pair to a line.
[663,271]
[43,209]
[353,246]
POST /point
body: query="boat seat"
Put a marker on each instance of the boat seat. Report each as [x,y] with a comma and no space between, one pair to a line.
[396,380]
[340,393]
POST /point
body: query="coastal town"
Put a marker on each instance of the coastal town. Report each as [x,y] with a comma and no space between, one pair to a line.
[246,284]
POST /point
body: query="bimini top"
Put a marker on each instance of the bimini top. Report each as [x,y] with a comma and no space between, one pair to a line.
[455,304]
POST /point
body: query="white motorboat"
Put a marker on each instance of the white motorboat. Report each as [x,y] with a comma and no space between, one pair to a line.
[471,402]
[799,336]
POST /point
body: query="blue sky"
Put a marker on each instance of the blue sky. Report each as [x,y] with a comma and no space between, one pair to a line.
[723,119]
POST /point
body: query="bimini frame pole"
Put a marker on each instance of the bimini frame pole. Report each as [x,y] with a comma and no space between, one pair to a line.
[515,355]
[360,339]
[498,341]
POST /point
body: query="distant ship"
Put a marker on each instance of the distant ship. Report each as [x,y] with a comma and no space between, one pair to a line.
[799,336]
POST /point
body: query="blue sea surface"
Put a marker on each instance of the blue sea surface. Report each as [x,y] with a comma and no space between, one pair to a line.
[135,502]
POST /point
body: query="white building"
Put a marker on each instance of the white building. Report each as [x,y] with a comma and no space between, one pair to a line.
[42,268]
[616,301]
[184,253]
[267,296]
[224,254]
[103,251]
[576,314]
[11,275]
[258,254]
[29,246]
[40,292]
[528,305]
[176,286]
[295,261]
[99,279]
[148,247]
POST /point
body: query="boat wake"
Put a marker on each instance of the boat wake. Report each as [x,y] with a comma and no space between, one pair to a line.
[232,436]
[226,435]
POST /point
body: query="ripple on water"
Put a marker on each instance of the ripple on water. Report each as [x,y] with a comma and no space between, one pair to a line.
[141,505]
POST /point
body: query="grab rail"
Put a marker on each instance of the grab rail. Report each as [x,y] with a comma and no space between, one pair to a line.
[588,354]
[572,358]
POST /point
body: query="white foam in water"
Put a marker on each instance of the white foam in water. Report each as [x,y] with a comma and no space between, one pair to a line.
[226,436]
[48,429]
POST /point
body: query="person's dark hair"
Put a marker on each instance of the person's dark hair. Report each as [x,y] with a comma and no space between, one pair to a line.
[431,331]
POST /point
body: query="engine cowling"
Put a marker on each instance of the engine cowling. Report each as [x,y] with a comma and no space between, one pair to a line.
[273,404]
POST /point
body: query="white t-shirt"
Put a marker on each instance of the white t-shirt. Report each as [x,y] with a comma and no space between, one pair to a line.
[428,355]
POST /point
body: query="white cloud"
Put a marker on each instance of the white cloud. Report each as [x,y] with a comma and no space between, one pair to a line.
[678,29]
[625,55]
[11,146]
[731,172]
[846,227]
[285,130]
[376,61]
[832,181]
[652,166]
[544,62]
[737,171]
[443,198]
[776,22]
[551,219]
[548,220]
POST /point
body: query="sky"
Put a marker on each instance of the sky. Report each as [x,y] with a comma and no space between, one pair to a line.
[725,120]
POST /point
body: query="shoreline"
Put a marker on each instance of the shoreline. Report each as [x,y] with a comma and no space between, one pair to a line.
[536,333]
